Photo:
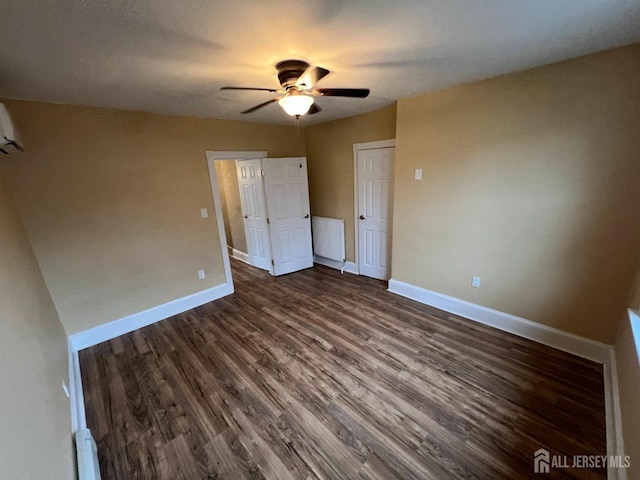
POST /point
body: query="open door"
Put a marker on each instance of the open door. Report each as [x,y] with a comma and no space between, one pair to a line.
[287,193]
[254,212]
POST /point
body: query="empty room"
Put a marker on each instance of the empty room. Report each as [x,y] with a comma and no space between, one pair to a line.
[320,240]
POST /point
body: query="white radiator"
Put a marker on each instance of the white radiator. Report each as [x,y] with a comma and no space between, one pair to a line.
[88,468]
[328,240]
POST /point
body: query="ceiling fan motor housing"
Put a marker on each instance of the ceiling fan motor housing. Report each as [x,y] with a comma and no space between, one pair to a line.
[298,80]
[289,71]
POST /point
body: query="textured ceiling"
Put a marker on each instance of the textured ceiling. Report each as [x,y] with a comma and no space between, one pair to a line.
[172,56]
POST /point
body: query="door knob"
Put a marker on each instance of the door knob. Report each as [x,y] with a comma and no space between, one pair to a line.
[361,217]
[306,216]
[246,216]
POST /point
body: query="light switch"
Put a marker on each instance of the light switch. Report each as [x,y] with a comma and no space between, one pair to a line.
[418,175]
[204,213]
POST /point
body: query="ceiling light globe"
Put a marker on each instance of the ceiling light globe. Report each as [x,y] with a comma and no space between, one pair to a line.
[296,105]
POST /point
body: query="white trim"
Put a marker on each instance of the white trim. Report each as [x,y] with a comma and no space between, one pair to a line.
[239,255]
[73,406]
[232,155]
[85,463]
[567,342]
[615,442]
[76,395]
[356,207]
[108,331]
[351,267]
[86,456]
[357,147]
[373,145]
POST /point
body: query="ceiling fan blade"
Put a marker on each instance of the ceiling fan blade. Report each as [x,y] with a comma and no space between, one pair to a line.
[257,107]
[342,92]
[314,109]
[249,88]
[311,76]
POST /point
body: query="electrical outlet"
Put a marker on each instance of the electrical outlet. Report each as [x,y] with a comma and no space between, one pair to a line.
[418,174]
[201,274]
[66,390]
[204,213]
[475,282]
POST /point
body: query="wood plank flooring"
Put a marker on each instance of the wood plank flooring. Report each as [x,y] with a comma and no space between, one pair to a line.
[321,375]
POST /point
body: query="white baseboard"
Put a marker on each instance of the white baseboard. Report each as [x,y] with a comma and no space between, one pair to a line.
[349,267]
[613,414]
[76,395]
[119,327]
[108,331]
[240,255]
[568,342]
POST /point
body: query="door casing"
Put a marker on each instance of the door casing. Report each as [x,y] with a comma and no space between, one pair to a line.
[212,156]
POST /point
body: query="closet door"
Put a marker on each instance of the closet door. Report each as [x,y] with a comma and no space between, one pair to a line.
[375,197]
[287,192]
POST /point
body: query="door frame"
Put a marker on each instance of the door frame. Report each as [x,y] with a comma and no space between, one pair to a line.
[357,147]
[212,156]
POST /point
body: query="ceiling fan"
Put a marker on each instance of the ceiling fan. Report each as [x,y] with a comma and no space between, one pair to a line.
[298,80]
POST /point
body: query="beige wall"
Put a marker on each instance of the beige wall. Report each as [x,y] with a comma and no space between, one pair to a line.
[230,203]
[634,297]
[531,183]
[111,203]
[330,163]
[35,433]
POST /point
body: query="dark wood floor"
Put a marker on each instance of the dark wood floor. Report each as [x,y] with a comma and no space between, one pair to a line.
[322,375]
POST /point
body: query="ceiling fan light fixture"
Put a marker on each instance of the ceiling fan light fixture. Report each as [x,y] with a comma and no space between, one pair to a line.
[297,80]
[296,105]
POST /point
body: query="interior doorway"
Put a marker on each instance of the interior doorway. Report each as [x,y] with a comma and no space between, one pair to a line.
[262,209]
[244,211]
[224,228]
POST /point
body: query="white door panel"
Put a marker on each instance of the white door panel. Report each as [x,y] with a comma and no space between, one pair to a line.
[375,191]
[254,209]
[287,193]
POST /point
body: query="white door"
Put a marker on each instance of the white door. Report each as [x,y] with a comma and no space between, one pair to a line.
[254,212]
[287,192]
[375,191]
